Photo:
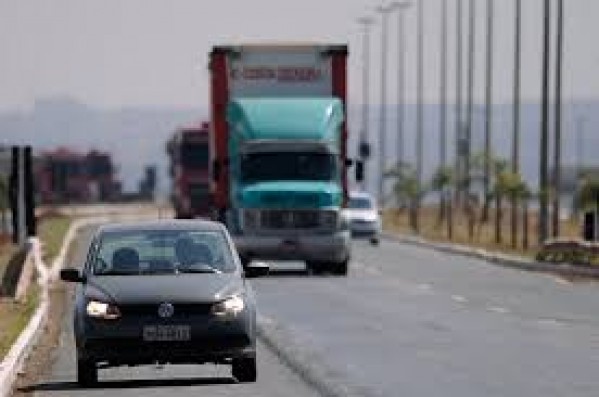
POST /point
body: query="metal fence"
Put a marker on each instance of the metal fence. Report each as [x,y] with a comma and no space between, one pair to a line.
[5,168]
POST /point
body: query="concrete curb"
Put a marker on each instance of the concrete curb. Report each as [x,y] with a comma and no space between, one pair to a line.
[505,260]
[305,363]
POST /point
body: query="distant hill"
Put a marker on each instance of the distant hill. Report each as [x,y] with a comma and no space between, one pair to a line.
[136,136]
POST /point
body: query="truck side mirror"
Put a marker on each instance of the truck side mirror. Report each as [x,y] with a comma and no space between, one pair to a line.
[359,171]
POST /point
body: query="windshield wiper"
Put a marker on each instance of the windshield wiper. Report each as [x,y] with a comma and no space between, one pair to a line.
[199,268]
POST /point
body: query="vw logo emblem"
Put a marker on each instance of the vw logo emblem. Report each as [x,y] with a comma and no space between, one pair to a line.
[166,310]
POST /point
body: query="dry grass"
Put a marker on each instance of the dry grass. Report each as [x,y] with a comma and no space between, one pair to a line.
[484,233]
[14,316]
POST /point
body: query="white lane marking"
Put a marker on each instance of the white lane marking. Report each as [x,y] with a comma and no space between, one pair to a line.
[425,287]
[367,269]
[549,321]
[498,309]
[459,298]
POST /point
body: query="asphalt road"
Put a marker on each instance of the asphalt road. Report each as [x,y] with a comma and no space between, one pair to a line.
[415,322]
[406,321]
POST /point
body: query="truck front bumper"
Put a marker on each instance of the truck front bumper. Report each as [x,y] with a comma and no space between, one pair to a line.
[307,247]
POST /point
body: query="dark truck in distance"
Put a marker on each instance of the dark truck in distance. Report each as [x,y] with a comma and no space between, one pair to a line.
[189,158]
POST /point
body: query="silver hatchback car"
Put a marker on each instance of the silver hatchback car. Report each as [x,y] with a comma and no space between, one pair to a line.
[364,216]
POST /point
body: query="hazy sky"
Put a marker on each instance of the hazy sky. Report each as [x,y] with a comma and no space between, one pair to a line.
[113,53]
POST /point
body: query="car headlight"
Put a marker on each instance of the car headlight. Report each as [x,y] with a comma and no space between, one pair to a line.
[230,307]
[103,310]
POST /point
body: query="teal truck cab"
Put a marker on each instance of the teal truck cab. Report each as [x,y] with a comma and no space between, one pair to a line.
[279,144]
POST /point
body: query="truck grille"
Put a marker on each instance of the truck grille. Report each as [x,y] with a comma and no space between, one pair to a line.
[289,219]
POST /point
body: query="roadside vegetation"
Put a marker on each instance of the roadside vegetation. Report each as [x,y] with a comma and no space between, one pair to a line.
[14,315]
[460,213]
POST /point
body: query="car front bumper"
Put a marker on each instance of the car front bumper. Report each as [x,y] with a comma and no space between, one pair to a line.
[121,342]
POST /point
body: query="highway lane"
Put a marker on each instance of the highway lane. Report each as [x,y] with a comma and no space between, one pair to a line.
[274,378]
[406,321]
[411,321]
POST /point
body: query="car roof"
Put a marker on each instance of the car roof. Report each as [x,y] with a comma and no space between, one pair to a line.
[360,195]
[162,224]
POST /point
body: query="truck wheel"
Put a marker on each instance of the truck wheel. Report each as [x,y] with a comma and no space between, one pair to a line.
[374,241]
[339,268]
[87,373]
[244,369]
[315,267]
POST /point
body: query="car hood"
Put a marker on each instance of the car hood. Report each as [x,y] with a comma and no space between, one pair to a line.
[187,288]
[360,214]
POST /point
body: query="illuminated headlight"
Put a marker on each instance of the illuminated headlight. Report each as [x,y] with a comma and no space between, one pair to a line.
[328,219]
[102,310]
[228,308]
[251,219]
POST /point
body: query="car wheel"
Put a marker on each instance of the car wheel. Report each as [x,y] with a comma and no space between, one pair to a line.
[374,241]
[87,372]
[244,369]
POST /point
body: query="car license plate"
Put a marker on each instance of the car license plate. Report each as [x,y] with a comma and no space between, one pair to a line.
[166,333]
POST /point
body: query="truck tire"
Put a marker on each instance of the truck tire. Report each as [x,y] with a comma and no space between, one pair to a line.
[339,268]
[244,369]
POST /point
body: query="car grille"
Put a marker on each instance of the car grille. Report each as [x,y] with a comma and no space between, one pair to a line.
[151,310]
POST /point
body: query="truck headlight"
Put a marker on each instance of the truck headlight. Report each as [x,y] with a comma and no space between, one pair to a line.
[102,310]
[230,307]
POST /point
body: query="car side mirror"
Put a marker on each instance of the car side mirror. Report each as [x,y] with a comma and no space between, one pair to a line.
[359,171]
[72,275]
[256,269]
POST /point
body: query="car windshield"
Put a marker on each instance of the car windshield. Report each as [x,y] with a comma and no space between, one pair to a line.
[360,203]
[295,166]
[194,155]
[161,252]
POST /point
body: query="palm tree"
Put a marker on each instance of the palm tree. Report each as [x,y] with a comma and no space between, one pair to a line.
[407,190]
[507,183]
[442,181]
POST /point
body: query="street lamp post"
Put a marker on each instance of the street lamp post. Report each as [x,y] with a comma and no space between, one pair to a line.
[544,144]
[420,111]
[401,76]
[382,152]
[516,127]
[364,146]
[488,109]
[558,117]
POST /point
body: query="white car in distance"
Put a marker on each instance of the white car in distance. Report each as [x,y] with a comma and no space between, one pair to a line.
[364,217]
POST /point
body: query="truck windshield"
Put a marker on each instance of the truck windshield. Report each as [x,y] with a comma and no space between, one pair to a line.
[288,166]
[194,155]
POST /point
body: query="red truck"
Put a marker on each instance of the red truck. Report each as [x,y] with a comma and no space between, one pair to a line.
[188,151]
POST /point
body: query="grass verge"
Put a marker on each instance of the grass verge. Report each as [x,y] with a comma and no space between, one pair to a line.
[14,316]
[396,221]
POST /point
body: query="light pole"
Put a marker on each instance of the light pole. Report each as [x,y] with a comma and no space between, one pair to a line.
[401,76]
[488,109]
[443,88]
[364,145]
[420,111]
[516,127]
[382,152]
[469,110]
[544,145]
[558,117]
[458,105]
